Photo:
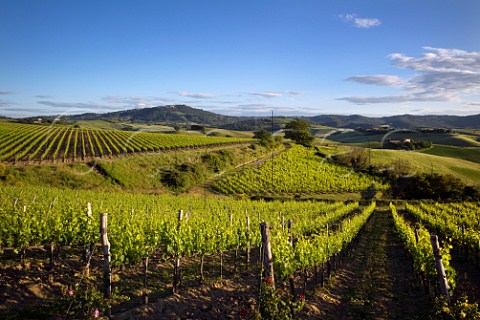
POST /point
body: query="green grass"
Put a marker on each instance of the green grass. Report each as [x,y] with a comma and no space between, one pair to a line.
[156,128]
[73,176]
[467,171]
[98,124]
[229,133]
[102,124]
[464,153]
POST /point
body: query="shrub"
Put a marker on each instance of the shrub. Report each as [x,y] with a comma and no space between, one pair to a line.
[183,177]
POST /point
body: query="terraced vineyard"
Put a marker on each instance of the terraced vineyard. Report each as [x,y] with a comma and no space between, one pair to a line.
[296,171]
[25,142]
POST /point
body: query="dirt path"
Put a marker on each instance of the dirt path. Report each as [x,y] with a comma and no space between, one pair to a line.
[377,282]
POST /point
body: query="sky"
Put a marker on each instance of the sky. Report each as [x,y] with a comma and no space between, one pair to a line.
[248,57]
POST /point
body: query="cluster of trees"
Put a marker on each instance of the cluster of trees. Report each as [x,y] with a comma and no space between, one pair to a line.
[407,144]
[433,186]
[297,130]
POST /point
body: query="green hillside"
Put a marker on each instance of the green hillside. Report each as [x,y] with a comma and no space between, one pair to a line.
[467,171]
[464,153]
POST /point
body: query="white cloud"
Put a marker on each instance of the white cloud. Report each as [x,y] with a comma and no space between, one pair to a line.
[196,95]
[137,101]
[379,80]
[6,92]
[77,105]
[362,23]
[267,94]
[440,75]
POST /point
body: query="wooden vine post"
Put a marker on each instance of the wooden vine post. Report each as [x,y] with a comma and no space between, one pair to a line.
[442,277]
[176,263]
[107,271]
[89,249]
[145,281]
[291,281]
[247,235]
[267,257]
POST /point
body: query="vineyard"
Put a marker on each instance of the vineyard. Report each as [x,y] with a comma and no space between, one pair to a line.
[297,171]
[79,253]
[304,235]
[24,142]
[160,244]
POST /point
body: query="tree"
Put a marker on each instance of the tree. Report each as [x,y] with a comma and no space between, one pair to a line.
[298,130]
[265,138]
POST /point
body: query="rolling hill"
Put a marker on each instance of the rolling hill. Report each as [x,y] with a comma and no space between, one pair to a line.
[182,114]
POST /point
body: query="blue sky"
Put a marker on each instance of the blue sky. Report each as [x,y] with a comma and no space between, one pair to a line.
[300,57]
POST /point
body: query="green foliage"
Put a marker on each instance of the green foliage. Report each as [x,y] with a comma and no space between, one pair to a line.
[265,138]
[356,158]
[184,176]
[408,145]
[460,309]
[455,221]
[218,161]
[196,127]
[433,186]
[298,130]
[275,304]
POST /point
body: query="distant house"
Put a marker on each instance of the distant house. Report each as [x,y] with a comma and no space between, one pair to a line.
[406,140]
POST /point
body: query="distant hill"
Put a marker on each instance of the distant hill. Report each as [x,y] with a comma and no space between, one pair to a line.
[183,115]
[171,114]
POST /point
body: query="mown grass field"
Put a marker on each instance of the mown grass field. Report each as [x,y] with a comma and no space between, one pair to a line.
[467,171]
[464,153]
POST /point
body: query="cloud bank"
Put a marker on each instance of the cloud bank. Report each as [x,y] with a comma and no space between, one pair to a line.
[440,75]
